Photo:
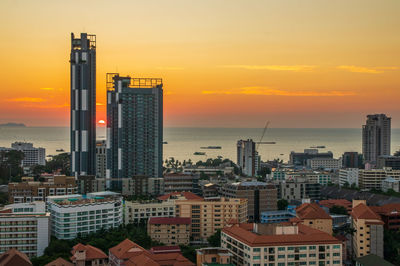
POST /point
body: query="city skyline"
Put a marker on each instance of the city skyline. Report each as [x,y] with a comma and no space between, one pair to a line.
[302,64]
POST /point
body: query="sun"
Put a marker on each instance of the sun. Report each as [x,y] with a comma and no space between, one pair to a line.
[102,122]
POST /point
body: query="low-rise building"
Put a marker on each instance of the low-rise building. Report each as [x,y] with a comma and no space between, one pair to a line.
[371,260]
[129,253]
[139,212]
[348,176]
[390,215]
[14,257]
[324,163]
[210,190]
[75,214]
[298,189]
[372,179]
[276,216]
[368,226]
[390,183]
[89,184]
[301,158]
[180,182]
[223,169]
[280,244]
[142,185]
[315,217]
[32,156]
[385,161]
[59,262]
[169,230]
[25,226]
[260,197]
[336,202]
[87,255]
[213,256]
[30,191]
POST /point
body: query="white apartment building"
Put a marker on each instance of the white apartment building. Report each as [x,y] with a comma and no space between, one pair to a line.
[32,155]
[140,212]
[324,163]
[25,226]
[280,245]
[390,183]
[348,175]
[76,214]
[320,177]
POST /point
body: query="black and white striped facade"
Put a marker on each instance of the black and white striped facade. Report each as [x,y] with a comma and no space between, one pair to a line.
[83,105]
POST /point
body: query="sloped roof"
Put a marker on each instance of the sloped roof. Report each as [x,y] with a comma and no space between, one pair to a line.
[362,211]
[311,211]
[186,195]
[59,262]
[92,253]
[387,209]
[126,249]
[14,257]
[338,202]
[306,236]
[373,260]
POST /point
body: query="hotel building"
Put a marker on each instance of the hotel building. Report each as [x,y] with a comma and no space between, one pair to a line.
[76,214]
[24,226]
[170,231]
[376,136]
[280,245]
[140,212]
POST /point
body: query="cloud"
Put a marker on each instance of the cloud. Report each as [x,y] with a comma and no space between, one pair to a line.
[170,68]
[47,89]
[369,70]
[27,100]
[46,106]
[99,104]
[278,92]
[294,68]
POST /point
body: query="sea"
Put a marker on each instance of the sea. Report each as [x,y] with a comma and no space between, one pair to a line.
[182,143]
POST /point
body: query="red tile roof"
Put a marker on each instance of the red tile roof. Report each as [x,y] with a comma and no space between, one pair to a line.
[169,220]
[362,211]
[186,195]
[165,249]
[311,211]
[306,236]
[92,253]
[387,209]
[14,257]
[135,255]
[59,262]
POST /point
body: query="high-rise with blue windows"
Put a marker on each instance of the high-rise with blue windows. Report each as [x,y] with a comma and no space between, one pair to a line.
[83,104]
[134,128]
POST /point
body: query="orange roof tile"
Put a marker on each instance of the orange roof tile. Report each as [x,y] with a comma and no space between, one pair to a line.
[306,236]
[126,249]
[311,211]
[14,257]
[362,211]
[387,209]
[338,202]
[92,253]
[59,262]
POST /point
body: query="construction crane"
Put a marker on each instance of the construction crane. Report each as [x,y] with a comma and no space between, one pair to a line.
[262,136]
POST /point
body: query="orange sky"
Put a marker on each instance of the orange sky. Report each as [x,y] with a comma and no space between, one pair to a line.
[225,63]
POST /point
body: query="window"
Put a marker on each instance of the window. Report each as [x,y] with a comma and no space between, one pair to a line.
[256,257]
[256,250]
[281,248]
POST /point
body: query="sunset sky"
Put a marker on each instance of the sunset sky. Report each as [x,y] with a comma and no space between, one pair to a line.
[224,63]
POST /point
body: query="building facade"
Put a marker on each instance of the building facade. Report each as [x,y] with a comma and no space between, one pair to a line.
[213,256]
[348,176]
[247,157]
[25,226]
[101,158]
[298,189]
[74,214]
[368,226]
[385,161]
[169,230]
[209,215]
[324,163]
[142,185]
[372,179]
[276,216]
[29,191]
[83,104]
[180,182]
[89,184]
[260,197]
[352,159]
[134,127]
[273,244]
[139,212]
[376,137]
[301,158]
[315,217]
[32,155]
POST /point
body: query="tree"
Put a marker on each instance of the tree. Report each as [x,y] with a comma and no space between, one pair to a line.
[215,239]
[60,162]
[264,171]
[10,165]
[282,204]
[336,209]
[189,252]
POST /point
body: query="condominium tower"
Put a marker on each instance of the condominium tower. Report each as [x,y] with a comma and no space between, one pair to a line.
[83,104]
[247,157]
[376,135]
[134,127]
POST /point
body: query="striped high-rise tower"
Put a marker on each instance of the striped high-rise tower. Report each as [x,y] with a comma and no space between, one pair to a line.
[83,104]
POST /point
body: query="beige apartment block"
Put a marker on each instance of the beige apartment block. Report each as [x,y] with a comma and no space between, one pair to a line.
[139,212]
[209,215]
[213,256]
[169,230]
[368,236]
[314,216]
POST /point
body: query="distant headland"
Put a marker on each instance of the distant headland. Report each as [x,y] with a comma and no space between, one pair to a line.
[12,125]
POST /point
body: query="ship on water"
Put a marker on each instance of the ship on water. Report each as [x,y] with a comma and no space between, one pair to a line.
[212,147]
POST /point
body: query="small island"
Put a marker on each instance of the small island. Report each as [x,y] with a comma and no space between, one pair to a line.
[13,125]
